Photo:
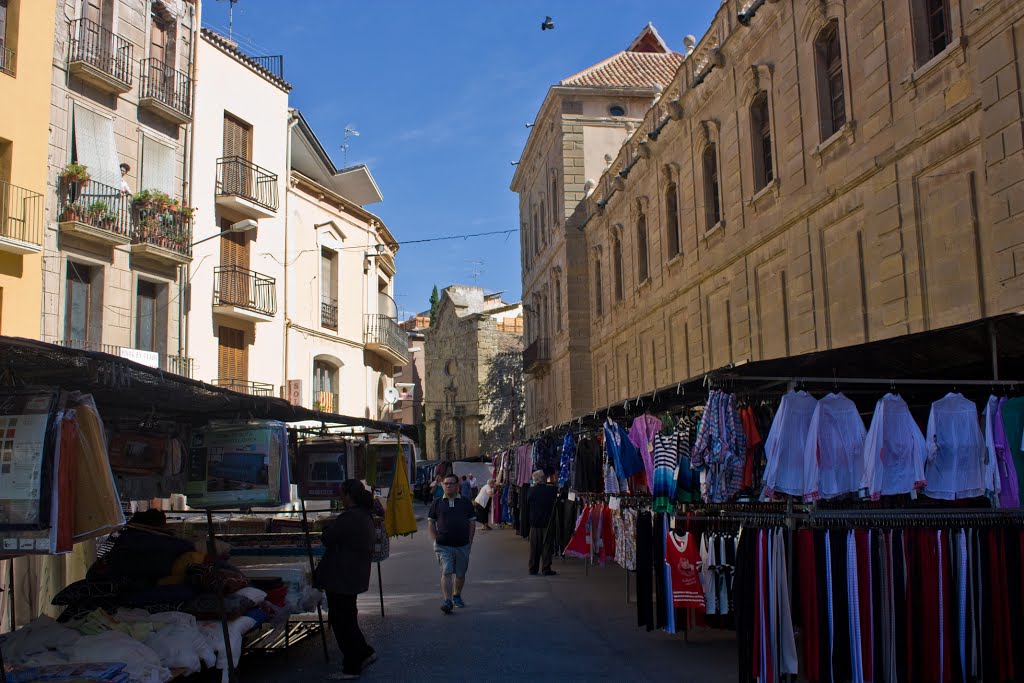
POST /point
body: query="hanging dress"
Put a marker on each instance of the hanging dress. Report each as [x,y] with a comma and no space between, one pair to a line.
[894,450]
[956,450]
[834,451]
[785,446]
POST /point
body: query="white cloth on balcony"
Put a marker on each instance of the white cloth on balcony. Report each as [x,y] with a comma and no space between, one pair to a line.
[95,148]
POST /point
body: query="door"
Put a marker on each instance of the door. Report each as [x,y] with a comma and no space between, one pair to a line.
[145,316]
[76,309]
[94,34]
[157,73]
[234,262]
[232,358]
[236,178]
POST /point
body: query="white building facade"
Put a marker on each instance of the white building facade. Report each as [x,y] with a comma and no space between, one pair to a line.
[342,339]
[239,166]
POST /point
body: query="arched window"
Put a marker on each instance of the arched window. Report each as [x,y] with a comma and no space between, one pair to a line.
[325,387]
[672,228]
[558,304]
[831,92]
[643,266]
[932,28]
[761,134]
[598,294]
[617,267]
[712,200]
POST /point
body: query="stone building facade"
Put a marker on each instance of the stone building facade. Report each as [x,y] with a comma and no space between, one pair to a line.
[469,329]
[122,93]
[581,125]
[816,175]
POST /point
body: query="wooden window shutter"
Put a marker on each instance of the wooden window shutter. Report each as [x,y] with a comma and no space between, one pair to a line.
[232,355]
[236,137]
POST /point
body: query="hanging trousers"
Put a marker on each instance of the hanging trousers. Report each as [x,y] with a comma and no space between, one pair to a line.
[644,571]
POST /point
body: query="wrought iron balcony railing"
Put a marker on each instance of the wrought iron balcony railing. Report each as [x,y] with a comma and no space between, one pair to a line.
[244,386]
[167,85]
[97,205]
[178,365]
[383,332]
[537,354]
[6,58]
[236,286]
[21,214]
[273,64]
[171,230]
[101,49]
[329,313]
[239,177]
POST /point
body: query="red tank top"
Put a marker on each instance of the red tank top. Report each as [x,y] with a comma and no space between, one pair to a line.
[683,560]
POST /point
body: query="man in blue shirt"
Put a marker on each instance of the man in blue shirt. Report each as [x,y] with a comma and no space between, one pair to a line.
[452,524]
[465,489]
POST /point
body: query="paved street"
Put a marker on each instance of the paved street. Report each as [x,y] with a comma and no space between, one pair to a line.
[573,626]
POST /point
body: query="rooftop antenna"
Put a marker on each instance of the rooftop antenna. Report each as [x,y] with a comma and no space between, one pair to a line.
[349,132]
[231,19]
[475,273]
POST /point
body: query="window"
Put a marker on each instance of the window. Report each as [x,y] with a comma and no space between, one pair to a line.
[712,201]
[598,294]
[93,146]
[643,266]
[77,308]
[536,234]
[672,219]
[543,217]
[558,304]
[616,110]
[158,167]
[831,93]
[325,387]
[145,316]
[6,42]
[761,133]
[554,198]
[232,358]
[932,26]
[329,289]
[617,267]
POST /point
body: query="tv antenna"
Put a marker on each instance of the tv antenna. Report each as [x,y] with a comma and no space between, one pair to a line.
[476,272]
[231,18]
[349,132]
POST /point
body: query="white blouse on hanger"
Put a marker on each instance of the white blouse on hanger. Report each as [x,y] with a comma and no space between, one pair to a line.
[894,450]
[784,449]
[956,450]
[834,453]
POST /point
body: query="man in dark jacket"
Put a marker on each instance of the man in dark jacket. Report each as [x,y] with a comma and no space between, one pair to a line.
[541,501]
[344,573]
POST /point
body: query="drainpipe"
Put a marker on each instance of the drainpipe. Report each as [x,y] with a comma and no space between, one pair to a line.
[184,272]
[293,120]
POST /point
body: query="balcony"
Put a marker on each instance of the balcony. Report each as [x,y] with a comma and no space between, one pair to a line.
[325,402]
[273,64]
[329,313]
[165,91]
[244,386]
[537,356]
[243,294]
[100,57]
[178,365]
[245,188]
[6,58]
[21,220]
[162,236]
[386,338]
[95,212]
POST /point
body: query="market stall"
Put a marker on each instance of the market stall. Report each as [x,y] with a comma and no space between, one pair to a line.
[87,435]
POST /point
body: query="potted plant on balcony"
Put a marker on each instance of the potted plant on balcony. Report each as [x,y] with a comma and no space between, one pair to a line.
[96,210]
[142,200]
[183,213]
[72,212]
[75,173]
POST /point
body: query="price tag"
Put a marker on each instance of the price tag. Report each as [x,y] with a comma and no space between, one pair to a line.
[572,496]
[613,503]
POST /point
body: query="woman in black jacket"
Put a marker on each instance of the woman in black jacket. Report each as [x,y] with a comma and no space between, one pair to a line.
[344,572]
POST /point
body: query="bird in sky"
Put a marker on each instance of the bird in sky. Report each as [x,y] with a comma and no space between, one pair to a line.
[547,24]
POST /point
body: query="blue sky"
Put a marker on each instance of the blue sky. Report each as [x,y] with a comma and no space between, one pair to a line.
[440,93]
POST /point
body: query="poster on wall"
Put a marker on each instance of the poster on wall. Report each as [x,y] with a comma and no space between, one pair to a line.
[236,464]
[323,466]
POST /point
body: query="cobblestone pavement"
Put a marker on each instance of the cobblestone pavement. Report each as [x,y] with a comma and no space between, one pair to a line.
[573,626]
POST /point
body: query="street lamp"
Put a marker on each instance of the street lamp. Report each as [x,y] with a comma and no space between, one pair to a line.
[241,226]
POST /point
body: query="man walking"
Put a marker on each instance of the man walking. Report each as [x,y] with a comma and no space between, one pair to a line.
[452,523]
[465,490]
[540,502]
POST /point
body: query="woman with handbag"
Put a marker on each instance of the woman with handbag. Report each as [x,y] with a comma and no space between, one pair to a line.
[344,573]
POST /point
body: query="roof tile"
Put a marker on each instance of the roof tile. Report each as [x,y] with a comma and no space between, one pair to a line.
[629,69]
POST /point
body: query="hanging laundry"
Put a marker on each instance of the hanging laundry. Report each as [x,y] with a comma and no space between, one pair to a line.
[580,543]
[683,558]
[894,450]
[956,450]
[720,447]
[687,479]
[785,446]
[641,433]
[834,452]
[588,474]
[666,457]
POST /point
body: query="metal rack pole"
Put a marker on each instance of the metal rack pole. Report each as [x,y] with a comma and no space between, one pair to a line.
[211,549]
[312,569]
